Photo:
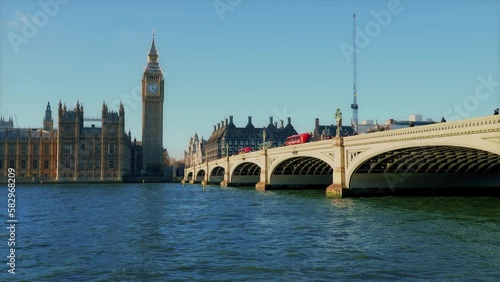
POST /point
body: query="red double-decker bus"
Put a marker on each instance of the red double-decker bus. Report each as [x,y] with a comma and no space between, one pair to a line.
[244,150]
[298,139]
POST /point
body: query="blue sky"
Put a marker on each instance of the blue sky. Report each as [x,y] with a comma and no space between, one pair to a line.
[275,58]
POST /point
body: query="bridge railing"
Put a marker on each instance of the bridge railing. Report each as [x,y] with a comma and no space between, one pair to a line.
[444,129]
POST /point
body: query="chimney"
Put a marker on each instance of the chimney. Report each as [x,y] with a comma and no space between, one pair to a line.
[249,119]
[230,119]
[215,127]
[225,122]
[289,120]
[281,123]
[218,126]
[270,120]
[316,123]
[275,124]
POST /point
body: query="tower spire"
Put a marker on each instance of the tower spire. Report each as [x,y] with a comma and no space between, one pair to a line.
[152,51]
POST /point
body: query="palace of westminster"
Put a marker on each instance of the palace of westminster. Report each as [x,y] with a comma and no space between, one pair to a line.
[73,152]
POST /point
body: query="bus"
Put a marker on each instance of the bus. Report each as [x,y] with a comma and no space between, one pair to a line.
[244,150]
[298,139]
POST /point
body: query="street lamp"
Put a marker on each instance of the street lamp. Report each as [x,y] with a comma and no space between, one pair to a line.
[264,137]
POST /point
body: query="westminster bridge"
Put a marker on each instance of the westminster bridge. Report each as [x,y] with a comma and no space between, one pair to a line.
[461,156]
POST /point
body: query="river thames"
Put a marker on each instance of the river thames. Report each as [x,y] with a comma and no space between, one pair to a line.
[166,232]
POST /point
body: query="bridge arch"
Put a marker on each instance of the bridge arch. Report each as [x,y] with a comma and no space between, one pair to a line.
[200,175]
[301,172]
[216,175]
[433,165]
[189,176]
[245,174]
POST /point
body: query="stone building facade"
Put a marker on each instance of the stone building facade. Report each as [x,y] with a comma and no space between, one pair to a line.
[227,139]
[92,153]
[32,152]
[71,153]
[195,152]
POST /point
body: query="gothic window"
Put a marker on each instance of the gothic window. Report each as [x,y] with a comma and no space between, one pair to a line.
[35,149]
[67,149]
[111,149]
[46,164]
[12,149]
[23,164]
[1,164]
[111,164]
[67,164]
[12,163]
[35,164]
[46,149]
[24,148]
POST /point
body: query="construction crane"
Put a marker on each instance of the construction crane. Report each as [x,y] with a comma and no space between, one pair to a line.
[354,105]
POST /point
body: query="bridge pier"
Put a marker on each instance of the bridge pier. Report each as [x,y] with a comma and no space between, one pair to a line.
[263,183]
[339,183]
[334,190]
[225,183]
[261,186]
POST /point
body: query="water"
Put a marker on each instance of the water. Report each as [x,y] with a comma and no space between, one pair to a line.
[164,232]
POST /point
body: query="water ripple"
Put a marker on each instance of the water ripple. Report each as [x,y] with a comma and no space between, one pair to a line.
[164,232]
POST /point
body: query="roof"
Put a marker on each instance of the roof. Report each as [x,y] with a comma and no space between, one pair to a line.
[24,133]
[231,132]
[152,51]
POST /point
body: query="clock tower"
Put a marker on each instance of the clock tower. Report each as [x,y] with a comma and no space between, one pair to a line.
[152,115]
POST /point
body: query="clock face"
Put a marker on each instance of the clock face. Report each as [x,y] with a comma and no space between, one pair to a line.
[152,88]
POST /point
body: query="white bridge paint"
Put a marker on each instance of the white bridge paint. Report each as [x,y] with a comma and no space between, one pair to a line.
[345,155]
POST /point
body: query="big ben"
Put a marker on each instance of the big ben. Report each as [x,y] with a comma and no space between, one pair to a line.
[152,114]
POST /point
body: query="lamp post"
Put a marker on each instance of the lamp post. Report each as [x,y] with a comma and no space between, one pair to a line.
[264,138]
